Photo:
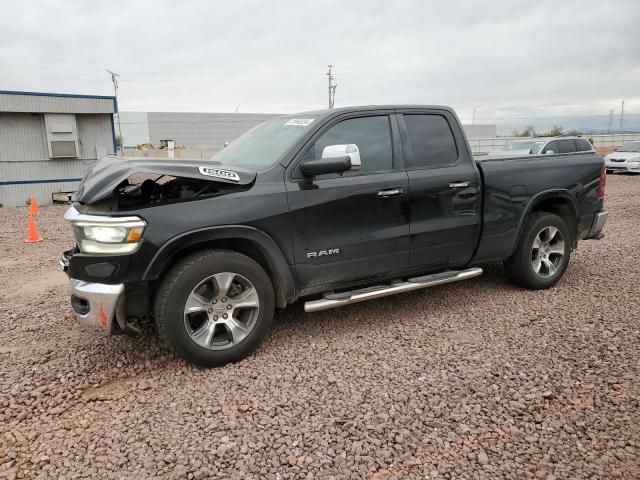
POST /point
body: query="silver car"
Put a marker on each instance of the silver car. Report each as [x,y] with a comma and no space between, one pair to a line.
[542,145]
[624,159]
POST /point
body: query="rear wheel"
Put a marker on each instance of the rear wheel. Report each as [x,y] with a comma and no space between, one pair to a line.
[214,307]
[543,252]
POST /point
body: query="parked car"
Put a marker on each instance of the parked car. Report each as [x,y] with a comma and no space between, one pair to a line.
[333,207]
[624,159]
[546,145]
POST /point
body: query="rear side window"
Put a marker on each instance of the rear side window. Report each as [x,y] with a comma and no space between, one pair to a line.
[372,135]
[567,146]
[582,145]
[431,140]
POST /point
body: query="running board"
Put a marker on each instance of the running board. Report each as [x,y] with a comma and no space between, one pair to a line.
[334,300]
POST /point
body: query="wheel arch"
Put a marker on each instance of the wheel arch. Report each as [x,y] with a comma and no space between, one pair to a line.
[560,202]
[249,241]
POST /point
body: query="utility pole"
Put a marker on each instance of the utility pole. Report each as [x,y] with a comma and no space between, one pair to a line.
[610,120]
[114,79]
[332,88]
[621,115]
[473,122]
[195,133]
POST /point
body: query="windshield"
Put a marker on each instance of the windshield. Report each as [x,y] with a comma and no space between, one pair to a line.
[630,147]
[263,145]
[534,147]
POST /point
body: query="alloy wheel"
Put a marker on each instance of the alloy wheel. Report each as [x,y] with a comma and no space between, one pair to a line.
[221,311]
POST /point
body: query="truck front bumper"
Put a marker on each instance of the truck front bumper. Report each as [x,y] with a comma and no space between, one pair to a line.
[96,304]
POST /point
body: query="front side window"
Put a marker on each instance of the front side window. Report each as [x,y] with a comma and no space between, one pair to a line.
[551,147]
[372,135]
[431,140]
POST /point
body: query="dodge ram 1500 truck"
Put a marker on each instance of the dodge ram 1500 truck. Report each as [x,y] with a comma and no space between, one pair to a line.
[336,207]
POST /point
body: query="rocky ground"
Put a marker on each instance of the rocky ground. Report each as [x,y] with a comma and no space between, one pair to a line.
[472,380]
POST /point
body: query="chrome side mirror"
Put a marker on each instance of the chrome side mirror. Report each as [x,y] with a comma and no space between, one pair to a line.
[350,150]
[548,152]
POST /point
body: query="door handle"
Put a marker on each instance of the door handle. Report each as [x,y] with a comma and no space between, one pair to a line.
[390,192]
[459,184]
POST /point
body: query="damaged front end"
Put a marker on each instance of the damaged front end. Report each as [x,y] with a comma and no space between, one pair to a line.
[106,267]
[119,184]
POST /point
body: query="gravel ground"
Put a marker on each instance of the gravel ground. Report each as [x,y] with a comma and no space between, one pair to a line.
[472,380]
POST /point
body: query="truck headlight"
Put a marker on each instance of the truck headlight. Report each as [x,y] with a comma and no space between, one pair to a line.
[106,235]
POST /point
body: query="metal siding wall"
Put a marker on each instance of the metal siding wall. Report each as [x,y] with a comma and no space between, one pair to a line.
[15,195]
[94,131]
[52,104]
[24,156]
[22,137]
[213,129]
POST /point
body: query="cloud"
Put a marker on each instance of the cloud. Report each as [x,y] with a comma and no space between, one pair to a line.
[515,58]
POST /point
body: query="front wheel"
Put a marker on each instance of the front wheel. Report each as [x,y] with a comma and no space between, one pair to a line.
[214,307]
[543,252]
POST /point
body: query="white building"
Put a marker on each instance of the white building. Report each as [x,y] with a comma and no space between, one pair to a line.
[49,140]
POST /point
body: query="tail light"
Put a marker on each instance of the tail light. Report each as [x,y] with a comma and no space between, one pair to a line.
[602,182]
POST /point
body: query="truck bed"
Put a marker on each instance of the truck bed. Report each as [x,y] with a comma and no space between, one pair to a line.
[512,184]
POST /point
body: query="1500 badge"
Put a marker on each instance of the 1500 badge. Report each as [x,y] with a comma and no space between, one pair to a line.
[218,173]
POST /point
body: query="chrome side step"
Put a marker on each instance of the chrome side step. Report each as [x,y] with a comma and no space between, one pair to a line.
[334,300]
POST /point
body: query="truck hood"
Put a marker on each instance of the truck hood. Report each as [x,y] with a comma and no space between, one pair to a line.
[103,177]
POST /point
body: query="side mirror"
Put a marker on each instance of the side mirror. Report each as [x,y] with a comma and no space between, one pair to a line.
[548,152]
[335,159]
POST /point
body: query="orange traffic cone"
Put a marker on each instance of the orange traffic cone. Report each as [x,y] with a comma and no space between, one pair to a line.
[32,231]
[33,206]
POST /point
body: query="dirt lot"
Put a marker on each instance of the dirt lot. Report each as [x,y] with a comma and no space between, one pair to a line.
[471,380]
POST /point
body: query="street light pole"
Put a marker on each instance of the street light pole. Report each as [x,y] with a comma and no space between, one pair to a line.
[195,133]
[114,79]
[473,122]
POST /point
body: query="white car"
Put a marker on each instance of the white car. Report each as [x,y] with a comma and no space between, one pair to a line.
[539,145]
[624,159]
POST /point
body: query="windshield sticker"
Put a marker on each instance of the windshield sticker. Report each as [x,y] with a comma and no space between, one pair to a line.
[218,173]
[300,122]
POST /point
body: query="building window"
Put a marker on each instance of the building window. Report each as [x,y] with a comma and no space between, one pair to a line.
[62,135]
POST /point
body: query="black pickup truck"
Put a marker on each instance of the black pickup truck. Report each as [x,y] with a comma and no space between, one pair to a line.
[336,207]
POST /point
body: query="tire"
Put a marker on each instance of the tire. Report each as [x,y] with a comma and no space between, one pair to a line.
[202,282]
[551,265]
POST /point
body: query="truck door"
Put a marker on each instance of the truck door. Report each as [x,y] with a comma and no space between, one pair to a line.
[445,190]
[353,225]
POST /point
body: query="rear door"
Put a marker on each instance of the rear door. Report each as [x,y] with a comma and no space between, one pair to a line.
[444,189]
[355,225]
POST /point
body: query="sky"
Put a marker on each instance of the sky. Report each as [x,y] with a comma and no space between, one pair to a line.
[517,62]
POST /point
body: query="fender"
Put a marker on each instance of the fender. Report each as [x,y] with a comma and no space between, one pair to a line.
[563,194]
[286,291]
